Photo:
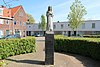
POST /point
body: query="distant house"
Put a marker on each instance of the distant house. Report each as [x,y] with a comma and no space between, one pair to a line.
[89,27]
[13,21]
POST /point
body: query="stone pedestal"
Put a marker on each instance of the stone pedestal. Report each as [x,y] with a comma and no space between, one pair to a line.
[49,48]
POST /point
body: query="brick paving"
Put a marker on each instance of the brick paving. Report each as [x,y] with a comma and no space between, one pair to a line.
[61,60]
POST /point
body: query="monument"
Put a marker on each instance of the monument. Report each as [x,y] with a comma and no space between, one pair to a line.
[49,39]
[49,15]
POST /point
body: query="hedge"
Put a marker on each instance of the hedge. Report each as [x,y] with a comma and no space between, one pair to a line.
[11,47]
[84,46]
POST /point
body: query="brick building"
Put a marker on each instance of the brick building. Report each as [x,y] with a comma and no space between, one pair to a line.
[13,21]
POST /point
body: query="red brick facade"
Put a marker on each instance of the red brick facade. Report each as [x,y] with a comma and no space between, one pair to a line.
[18,22]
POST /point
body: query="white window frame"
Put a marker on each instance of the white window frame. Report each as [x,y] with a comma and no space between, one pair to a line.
[1,21]
[1,12]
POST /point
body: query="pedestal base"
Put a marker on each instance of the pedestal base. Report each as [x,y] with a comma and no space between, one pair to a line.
[49,48]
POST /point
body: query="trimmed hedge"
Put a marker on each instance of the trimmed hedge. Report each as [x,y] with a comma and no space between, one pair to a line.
[84,46]
[11,47]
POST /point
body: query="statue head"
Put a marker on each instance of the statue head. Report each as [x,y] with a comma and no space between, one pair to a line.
[49,8]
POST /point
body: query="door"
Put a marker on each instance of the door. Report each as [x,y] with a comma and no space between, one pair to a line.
[74,33]
[29,33]
[69,33]
[7,32]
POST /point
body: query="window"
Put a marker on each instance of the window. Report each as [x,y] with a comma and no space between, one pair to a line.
[14,22]
[1,21]
[83,25]
[64,32]
[58,21]
[8,12]
[29,26]
[93,25]
[24,23]
[24,31]
[61,26]
[68,24]
[54,26]
[7,32]
[7,22]
[0,11]
[1,33]
[17,31]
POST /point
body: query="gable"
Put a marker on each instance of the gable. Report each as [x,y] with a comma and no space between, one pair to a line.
[20,15]
[14,10]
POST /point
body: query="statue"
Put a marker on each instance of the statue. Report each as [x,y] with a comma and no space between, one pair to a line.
[49,39]
[49,15]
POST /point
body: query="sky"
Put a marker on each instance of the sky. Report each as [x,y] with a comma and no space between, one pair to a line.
[61,8]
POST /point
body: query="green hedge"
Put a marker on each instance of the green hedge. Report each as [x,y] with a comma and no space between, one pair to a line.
[13,47]
[83,46]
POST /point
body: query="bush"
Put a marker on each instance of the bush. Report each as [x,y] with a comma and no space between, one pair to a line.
[13,47]
[83,46]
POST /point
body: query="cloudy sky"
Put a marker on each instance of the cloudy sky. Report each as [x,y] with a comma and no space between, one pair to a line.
[61,8]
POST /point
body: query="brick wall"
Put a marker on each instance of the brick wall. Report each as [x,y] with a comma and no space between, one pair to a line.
[20,17]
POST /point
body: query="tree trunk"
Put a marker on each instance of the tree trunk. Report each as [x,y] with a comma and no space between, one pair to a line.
[43,33]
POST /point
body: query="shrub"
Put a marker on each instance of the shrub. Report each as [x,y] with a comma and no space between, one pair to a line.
[11,47]
[83,46]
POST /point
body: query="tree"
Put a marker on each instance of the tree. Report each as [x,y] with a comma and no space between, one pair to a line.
[43,23]
[30,19]
[39,26]
[76,14]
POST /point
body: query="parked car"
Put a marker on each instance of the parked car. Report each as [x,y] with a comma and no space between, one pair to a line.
[12,36]
[17,36]
[37,35]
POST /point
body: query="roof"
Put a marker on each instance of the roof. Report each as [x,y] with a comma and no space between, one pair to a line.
[91,20]
[14,10]
[6,12]
[11,11]
[84,21]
